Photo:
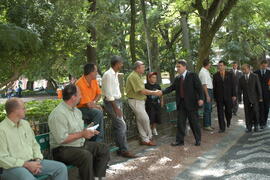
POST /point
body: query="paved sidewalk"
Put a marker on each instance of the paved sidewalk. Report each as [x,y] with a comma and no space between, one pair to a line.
[248,158]
[165,162]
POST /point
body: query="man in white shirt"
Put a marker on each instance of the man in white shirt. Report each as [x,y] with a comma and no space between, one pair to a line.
[113,105]
[207,84]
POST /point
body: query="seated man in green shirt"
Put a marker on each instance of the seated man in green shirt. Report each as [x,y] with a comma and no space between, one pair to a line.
[20,154]
[67,138]
[136,94]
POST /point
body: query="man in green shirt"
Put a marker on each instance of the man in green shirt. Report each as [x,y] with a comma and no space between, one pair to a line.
[67,138]
[136,94]
[20,154]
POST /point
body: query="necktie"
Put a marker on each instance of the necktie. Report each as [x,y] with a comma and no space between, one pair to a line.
[182,86]
[263,72]
[246,77]
[222,75]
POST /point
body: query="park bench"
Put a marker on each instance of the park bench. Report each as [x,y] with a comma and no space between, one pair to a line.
[44,142]
[170,108]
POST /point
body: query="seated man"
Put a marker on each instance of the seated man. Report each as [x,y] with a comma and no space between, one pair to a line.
[91,94]
[20,154]
[67,138]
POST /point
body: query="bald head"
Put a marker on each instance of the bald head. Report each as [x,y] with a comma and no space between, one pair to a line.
[12,104]
[139,67]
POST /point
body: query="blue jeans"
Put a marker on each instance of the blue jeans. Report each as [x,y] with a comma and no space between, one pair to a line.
[57,170]
[96,116]
[119,125]
[207,110]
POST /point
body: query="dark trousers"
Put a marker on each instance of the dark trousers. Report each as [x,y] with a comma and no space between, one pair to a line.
[91,159]
[221,105]
[251,114]
[119,125]
[193,118]
[264,110]
[96,116]
[235,106]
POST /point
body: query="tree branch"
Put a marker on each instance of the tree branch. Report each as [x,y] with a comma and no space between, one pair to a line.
[176,35]
[222,15]
[213,9]
[198,5]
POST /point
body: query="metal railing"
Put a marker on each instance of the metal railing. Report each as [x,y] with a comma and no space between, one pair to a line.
[41,126]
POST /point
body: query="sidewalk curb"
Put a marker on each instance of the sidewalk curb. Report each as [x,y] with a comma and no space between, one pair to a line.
[213,155]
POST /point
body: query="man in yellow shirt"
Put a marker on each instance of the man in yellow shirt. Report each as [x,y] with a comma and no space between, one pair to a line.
[20,154]
[90,95]
[136,94]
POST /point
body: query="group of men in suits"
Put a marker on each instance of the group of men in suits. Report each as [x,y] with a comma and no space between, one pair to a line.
[227,87]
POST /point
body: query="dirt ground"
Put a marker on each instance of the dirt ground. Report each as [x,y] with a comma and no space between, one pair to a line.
[164,161]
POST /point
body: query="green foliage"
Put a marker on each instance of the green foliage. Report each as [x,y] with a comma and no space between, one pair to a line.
[41,37]
[35,110]
[245,38]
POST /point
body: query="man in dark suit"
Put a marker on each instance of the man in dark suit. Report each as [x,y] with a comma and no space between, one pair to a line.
[236,75]
[264,76]
[189,96]
[249,85]
[224,94]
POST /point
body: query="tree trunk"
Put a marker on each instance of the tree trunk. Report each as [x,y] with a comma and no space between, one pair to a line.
[155,58]
[211,21]
[147,35]
[132,31]
[91,53]
[30,85]
[51,85]
[185,39]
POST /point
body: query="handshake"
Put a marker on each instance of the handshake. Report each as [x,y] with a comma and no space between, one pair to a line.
[157,93]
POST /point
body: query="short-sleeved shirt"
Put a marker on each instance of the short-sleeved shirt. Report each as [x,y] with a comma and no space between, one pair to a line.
[205,78]
[88,91]
[17,144]
[134,85]
[65,120]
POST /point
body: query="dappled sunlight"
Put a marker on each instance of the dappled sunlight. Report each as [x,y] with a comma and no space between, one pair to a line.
[210,172]
[177,166]
[241,106]
[160,164]
[241,122]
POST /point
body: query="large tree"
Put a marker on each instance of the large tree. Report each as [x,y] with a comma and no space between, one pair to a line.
[212,15]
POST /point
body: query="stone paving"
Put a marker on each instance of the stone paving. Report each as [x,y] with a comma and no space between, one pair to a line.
[248,159]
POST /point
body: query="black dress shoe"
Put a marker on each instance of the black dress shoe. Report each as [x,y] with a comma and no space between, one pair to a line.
[228,125]
[248,130]
[198,143]
[256,129]
[221,131]
[177,144]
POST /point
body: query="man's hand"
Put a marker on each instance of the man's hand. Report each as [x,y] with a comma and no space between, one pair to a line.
[200,102]
[98,107]
[118,112]
[87,134]
[33,166]
[234,98]
[93,104]
[208,99]
[158,93]
[260,100]
[162,104]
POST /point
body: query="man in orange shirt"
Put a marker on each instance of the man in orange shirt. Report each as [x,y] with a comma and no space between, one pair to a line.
[91,93]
